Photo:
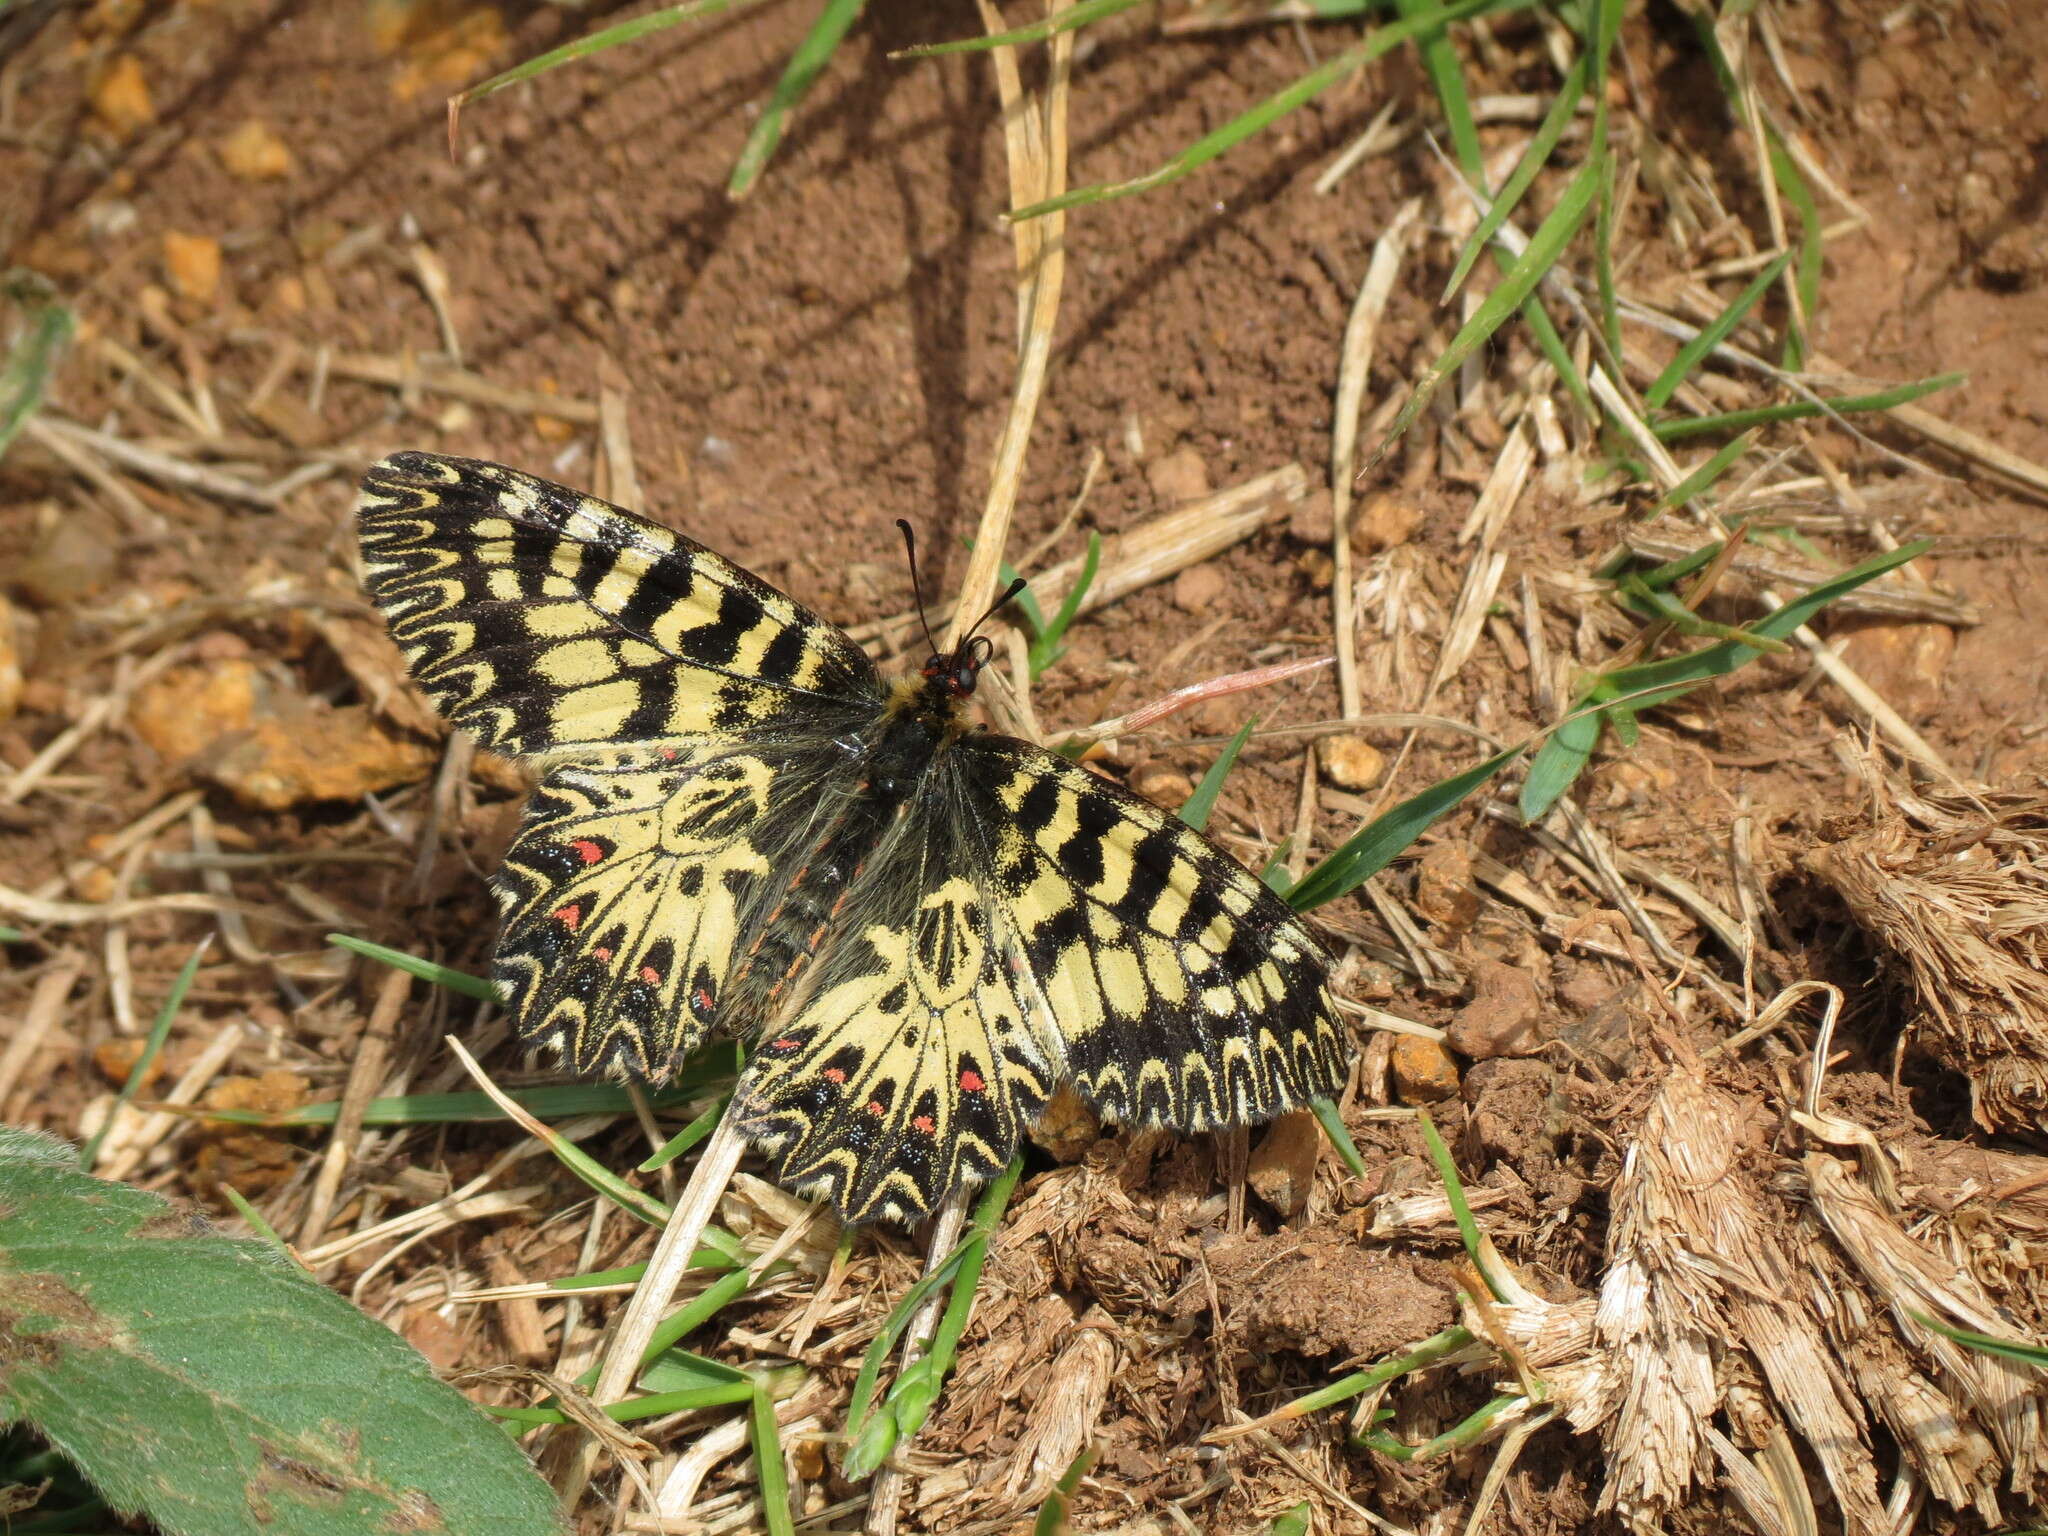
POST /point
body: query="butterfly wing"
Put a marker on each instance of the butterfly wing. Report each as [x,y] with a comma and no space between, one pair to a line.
[1181,991]
[634,885]
[1030,922]
[689,713]
[548,622]
[910,1063]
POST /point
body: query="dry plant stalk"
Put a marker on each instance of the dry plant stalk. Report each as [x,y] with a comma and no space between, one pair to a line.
[1750,1305]
[1953,885]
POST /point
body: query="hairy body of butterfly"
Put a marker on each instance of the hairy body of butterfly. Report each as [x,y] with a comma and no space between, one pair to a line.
[923,927]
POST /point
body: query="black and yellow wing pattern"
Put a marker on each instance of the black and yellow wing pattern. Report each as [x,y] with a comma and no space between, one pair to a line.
[921,928]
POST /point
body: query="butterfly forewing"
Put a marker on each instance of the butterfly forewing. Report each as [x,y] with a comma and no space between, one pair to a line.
[543,620]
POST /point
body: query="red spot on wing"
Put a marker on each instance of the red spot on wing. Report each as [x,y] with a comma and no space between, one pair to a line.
[971,1081]
[650,975]
[924,1123]
[570,917]
[786,1043]
[668,754]
[702,1000]
[602,953]
[875,1107]
[834,1075]
[586,850]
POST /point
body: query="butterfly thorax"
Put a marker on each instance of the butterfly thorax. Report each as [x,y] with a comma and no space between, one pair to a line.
[924,715]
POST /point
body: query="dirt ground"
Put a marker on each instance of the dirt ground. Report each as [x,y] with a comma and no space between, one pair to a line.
[253,211]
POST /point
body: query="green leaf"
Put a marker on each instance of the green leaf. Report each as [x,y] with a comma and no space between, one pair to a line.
[478,987]
[1376,845]
[1689,356]
[596,42]
[1700,479]
[1339,1133]
[1534,158]
[1210,146]
[1052,1514]
[151,1049]
[1045,644]
[216,1388]
[1296,1522]
[47,327]
[1203,801]
[1799,410]
[1066,21]
[808,58]
[1516,285]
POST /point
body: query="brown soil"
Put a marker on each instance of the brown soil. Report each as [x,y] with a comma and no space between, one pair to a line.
[836,352]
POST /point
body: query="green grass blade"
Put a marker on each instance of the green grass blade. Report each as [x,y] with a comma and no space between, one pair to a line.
[1654,682]
[912,1408]
[1558,764]
[1603,24]
[1066,21]
[1373,847]
[769,1473]
[1052,1514]
[26,378]
[1296,1522]
[1026,600]
[1339,1133]
[1202,802]
[805,61]
[1699,480]
[1427,1353]
[687,1137]
[151,1049]
[1440,60]
[652,1405]
[1534,158]
[254,1217]
[1785,171]
[596,42]
[1990,1344]
[1454,1191]
[559,1101]
[1689,356]
[1798,410]
[1515,287]
[1233,133]
[478,987]
[1045,646]
[871,1435]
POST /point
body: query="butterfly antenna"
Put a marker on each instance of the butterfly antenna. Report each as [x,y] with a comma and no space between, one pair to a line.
[995,607]
[916,584]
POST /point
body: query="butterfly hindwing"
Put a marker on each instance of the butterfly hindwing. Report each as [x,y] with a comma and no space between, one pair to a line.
[546,621]
[910,1066]
[639,882]
[1182,991]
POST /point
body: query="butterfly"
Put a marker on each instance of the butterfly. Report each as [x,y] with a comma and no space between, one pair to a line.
[921,927]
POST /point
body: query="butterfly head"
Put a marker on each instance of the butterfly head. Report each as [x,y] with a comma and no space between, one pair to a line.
[949,676]
[954,674]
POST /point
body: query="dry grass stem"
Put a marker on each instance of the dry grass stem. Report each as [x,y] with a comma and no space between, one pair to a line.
[1354,368]
[1035,138]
